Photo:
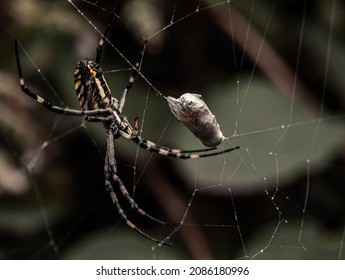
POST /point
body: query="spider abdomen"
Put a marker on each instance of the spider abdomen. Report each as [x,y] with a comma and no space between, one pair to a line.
[90,85]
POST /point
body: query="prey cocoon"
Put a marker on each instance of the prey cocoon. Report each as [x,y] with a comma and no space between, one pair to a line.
[192,111]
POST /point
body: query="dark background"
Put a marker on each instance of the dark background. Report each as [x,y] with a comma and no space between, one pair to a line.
[287,195]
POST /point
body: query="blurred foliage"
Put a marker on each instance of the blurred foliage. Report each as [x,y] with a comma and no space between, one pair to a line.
[52,196]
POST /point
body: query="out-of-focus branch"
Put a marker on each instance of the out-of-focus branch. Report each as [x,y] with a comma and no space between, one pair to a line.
[175,207]
[259,50]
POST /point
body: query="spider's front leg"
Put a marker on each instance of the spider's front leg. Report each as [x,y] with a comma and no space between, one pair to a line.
[166,151]
[113,183]
[97,119]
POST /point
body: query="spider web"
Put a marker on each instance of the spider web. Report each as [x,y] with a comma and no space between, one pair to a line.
[268,70]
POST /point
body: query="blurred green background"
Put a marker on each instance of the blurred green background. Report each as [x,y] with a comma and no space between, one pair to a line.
[271,72]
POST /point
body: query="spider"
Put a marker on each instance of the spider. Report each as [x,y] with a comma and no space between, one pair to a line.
[98,105]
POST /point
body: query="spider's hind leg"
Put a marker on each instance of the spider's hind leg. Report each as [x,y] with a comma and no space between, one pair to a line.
[131,80]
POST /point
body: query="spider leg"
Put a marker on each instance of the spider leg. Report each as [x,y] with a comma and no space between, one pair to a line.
[60,110]
[112,174]
[131,80]
[113,182]
[176,153]
[96,118]
[124,216]
[135,70]
[99,50]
